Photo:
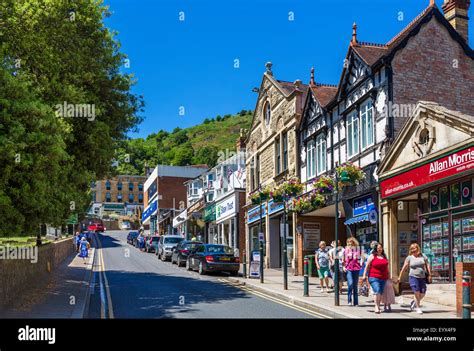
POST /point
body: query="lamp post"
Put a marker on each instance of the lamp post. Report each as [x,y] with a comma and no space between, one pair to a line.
[285,257]
[260,242]
[344,178]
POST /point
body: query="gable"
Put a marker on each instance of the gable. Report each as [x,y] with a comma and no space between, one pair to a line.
[355,70]
[432,130]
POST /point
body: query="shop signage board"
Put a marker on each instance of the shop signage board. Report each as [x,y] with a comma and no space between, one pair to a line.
[254,271]
[274,207]
[210,213]
[150,210]
[311,235]
[451,165]
[226,209]
[254,214]
[363,205]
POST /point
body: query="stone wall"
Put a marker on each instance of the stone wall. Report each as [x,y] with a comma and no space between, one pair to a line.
[18,276]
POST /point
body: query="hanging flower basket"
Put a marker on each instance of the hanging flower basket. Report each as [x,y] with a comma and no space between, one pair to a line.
[260,196]
[350,174]
[277,195]
[307,203]
[323,185]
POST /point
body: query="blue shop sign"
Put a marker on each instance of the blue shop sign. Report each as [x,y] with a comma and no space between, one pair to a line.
[254,214]
[274,207]
[363,205]
[150,210]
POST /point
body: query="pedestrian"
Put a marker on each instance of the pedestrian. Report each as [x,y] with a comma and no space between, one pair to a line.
[77,241]
[322,263]
[84,249]
[418,276]
[352,264]
[141,240]
[339,253]
[377,267]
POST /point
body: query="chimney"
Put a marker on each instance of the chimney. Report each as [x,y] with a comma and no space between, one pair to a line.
[455,11]
[240,145]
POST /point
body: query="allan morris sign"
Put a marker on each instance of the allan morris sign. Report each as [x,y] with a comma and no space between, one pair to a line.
[456,163]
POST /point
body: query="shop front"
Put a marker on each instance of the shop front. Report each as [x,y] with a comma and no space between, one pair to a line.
[256,218]
[149,215]
[227,221]
[209,217]
[428,198]
[363,223]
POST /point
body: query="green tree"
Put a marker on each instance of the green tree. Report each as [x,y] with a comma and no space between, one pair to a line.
[183,155]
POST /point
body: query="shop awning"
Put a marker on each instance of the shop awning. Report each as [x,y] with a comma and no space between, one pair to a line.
[357,219]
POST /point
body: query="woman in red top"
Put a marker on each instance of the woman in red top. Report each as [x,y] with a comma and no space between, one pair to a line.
[377,266]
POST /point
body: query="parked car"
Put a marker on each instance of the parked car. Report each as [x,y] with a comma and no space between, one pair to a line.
[182,250]
[151,243]
[131,237]
[166,245]
[125,225]
[211,258]
[96,227]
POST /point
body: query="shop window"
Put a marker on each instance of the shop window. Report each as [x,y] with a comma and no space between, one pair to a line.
[425,202]
[413,211]
[434,200]
[455,195]
[443,197]
[466,192]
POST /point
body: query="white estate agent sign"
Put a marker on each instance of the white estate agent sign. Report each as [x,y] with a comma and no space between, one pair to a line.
[226,208]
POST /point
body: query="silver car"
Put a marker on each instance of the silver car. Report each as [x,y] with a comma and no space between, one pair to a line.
[166,245]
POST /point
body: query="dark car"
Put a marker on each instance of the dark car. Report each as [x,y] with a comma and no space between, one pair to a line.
[151,243]
[166,245]
[181,252]
[131,237]
[213,258]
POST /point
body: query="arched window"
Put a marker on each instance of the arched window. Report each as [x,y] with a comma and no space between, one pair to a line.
[130,186]
[107,185]
[424,136]
[119,186]
[267,112]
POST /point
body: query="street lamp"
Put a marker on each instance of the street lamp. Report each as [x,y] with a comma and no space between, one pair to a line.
[285,257]
[344,179]
[261,242]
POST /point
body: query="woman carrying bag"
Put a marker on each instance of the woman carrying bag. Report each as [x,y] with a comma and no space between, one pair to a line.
[419,275]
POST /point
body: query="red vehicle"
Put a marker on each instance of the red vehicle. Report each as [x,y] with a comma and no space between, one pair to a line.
[96,227]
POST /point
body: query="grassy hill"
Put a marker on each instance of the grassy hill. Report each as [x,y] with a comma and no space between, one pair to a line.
[199,144]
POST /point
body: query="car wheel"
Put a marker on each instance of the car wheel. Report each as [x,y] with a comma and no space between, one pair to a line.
[188,265]
[178,262]
[201,269]
[163,257]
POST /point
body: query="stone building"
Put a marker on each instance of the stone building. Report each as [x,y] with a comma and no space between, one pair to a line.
[272,157]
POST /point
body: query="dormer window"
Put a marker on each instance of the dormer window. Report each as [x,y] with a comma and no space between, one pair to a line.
[267,113]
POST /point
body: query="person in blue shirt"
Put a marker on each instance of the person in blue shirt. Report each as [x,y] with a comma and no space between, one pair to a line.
[84,249]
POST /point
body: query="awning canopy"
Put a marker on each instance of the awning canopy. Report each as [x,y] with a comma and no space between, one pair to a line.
[357,219]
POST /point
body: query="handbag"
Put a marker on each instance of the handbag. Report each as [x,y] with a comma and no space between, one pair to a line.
[428,277]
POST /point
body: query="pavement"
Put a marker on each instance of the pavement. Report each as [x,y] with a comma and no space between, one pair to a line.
[324,302]
[136,284]
[66,294]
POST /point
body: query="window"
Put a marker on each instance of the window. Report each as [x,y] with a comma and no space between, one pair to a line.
[140,187]
[130,186]
[257,170]
[140,198]
[107,197]
[321,153]
[252,174]
[367,124]
[277,156]
[93,184]
[352,134]
[131,198]
[285,151]
[93,196]
[107,185]
[310,160]
[424,137]
[119,197]
[119,186]
[267,113]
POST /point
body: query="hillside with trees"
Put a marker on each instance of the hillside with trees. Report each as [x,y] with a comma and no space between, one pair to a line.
[200,144]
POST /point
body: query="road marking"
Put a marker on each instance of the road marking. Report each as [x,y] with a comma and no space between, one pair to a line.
[105,298]
[274,299]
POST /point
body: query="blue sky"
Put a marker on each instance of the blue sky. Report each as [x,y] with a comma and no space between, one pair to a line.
[190,63]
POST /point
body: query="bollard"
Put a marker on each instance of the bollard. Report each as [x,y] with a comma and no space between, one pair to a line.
[466,295]
[306,278]
[244,257]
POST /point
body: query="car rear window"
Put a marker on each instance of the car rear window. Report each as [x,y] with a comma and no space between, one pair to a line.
[192,246]
[220,249]
[172,240]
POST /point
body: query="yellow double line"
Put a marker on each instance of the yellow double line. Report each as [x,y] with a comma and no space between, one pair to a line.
[103,279]
[274,299]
